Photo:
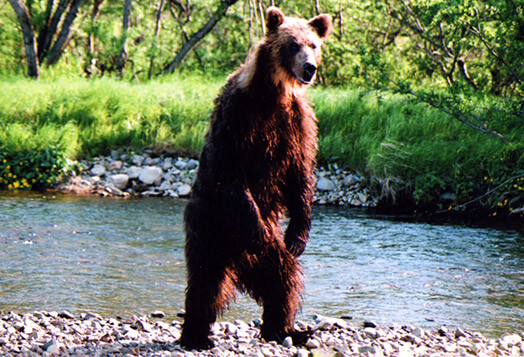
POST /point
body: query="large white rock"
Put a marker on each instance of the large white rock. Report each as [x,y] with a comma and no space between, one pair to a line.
[98,170]
[183,190]
[119,181]
[325,184]
[150,175]
[133,172]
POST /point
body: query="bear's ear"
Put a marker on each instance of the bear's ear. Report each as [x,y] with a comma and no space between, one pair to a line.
[274,18]
[322,25]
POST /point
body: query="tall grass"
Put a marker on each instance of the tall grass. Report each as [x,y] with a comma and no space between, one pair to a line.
[389,137]
[108,113]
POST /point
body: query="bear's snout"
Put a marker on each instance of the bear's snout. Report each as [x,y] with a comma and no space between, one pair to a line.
[309,71]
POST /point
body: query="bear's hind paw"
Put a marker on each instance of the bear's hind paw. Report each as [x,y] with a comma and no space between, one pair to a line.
[196,344]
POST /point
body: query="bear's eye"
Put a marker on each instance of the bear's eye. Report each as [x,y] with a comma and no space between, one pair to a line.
[294,47]
[313,46]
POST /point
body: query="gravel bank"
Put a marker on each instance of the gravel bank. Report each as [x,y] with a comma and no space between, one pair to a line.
[44,333]
[125,174]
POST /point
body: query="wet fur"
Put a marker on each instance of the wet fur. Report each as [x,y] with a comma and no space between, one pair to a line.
[257,164]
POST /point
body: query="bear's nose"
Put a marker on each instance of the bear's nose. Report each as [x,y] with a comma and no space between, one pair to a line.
[309,71]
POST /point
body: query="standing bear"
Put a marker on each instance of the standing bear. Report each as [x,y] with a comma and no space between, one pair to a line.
[256,166]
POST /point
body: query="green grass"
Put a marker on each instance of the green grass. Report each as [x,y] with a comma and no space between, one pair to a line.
[108,113]
[393,138]
[388,137]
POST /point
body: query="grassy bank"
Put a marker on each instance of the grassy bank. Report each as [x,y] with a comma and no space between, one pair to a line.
[406,148]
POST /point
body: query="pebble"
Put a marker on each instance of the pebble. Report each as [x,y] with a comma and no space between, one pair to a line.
[88,334]
[149,175]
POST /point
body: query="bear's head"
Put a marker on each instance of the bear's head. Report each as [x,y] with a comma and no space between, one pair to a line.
[295,44]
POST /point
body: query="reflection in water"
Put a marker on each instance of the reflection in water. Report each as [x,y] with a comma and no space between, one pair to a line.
[124,257]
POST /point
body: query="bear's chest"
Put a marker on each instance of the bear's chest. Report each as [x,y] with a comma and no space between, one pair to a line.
[278,139]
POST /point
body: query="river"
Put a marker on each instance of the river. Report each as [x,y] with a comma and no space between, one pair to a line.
[125,257]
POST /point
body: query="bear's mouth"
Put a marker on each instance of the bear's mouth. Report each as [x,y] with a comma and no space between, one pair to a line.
[303,81]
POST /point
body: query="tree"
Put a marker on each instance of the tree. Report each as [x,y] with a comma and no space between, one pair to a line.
[44,49]
[123,56]
[29,36]
[199,35]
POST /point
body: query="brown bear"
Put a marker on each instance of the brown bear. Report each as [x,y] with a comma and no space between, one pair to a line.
[257,164]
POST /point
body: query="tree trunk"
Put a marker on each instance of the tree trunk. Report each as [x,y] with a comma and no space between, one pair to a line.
[88,64]
[29,36]
[65,33]
[122,57]
[157,30]
[199,35]
[48,32]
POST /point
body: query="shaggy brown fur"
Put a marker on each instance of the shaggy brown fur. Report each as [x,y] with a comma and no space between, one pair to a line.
[257,164]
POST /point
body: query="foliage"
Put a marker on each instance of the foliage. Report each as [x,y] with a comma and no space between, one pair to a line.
[33,159]
[423,96]
[108,113]
[407,146]
[437,161]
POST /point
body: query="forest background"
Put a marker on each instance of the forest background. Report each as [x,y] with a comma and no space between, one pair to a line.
[423,98]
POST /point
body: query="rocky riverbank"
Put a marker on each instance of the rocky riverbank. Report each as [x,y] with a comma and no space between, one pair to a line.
[125,174]
[62,333]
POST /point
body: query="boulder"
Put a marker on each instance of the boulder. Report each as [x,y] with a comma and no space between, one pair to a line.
[115,165]
[325,184]
[183,190]
[150,175]
[120,181]
[98,170]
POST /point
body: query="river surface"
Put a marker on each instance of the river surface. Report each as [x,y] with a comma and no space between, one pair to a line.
[125,257]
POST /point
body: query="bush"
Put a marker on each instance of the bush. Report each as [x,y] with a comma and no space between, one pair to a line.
[34,158]
[26,169]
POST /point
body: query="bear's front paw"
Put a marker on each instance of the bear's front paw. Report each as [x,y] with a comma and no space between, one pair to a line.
[295,246]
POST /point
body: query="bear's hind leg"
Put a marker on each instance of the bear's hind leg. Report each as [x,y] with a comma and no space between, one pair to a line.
[209,285]
[208,292]
[274,279]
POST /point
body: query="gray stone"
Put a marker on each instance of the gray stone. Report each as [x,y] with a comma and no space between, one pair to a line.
[366,349]
[191,164]
[149,161]
[158,314]
[349,180]
[510,340]
[164,186]
[98,170]
[312,343]
[418,332]
[52,347]
[66,314]
[302,353]
[180,164]
[133,172]
[167,164]
[325,184]
[288,342]
[120,181]
[138,160]
[362,197]
[150,175]
[93,179]
[183,190]
[115,165]
[355,202]
[150,193]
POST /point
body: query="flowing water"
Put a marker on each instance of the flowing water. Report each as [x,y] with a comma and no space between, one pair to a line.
[125,257]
